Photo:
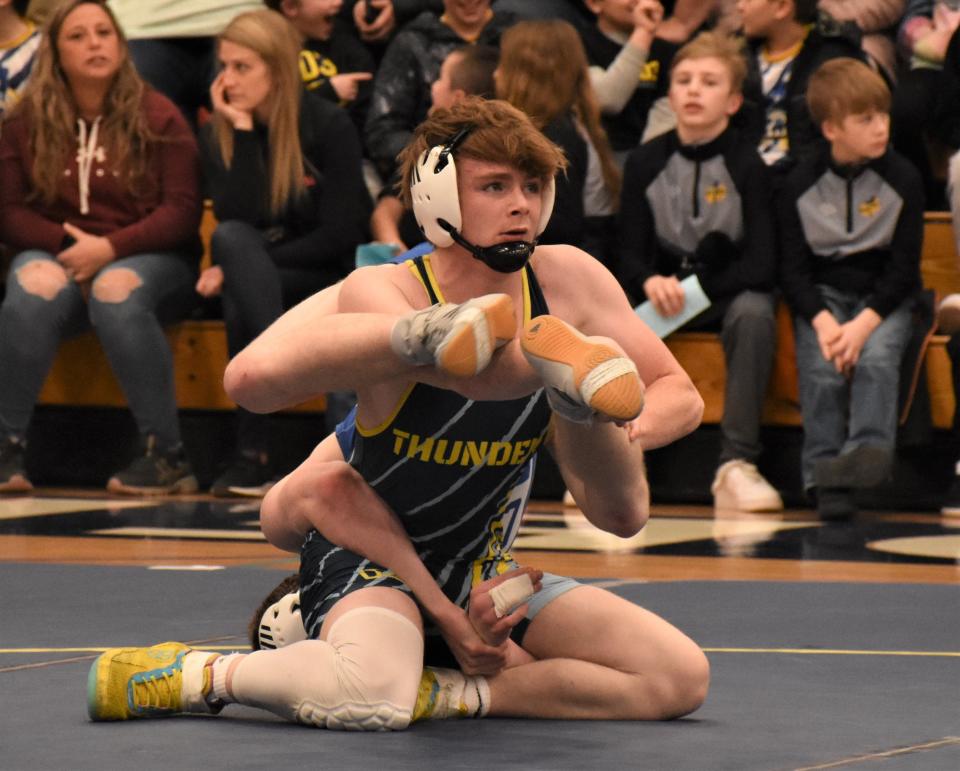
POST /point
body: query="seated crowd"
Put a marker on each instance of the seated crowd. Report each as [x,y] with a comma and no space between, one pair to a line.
[726,154]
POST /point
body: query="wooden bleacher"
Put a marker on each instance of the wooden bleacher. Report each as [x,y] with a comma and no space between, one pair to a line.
[82,377]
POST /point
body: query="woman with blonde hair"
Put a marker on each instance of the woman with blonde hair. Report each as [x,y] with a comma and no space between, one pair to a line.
[283,168]
[99,195]
[544,72]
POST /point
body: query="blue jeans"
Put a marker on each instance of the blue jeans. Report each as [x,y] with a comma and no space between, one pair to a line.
[840,415]
[130,331]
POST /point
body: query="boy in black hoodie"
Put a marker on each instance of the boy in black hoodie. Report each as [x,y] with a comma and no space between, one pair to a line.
[851,226]
[696,201]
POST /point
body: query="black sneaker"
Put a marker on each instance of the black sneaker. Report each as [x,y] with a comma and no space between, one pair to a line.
[155,472]
[864,466]
[13,476]
[248,475]
[951,502]
[835,503]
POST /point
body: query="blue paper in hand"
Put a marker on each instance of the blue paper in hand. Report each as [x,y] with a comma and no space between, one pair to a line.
[696,303]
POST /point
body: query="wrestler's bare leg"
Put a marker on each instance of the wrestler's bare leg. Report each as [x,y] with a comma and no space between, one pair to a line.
[602,657]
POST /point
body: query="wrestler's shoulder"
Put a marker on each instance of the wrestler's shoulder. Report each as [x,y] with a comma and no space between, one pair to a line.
[562,265]
[371,285]
[558,258]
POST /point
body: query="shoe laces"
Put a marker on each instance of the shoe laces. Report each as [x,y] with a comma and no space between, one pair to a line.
[154,690]
[431,326]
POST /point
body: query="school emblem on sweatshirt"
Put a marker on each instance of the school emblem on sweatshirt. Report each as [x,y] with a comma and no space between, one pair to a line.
[650,72]
[870,207]
[716,193]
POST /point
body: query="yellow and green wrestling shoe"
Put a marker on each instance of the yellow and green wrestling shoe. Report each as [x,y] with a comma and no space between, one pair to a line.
[129,683]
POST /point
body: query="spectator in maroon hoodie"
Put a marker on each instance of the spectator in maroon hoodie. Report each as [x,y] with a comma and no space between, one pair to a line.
[99,198]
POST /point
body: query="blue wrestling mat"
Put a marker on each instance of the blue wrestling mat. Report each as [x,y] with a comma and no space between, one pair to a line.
[804,676]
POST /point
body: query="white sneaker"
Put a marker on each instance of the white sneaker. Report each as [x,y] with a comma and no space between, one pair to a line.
[948,315]
[738,485]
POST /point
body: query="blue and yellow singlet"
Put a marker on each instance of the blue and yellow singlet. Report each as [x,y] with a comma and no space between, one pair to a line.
[457,472]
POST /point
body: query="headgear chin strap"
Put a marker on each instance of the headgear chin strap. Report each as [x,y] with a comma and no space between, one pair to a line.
[436,206]
[506,257]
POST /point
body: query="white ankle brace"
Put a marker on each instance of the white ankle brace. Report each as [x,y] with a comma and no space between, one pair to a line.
[194,687]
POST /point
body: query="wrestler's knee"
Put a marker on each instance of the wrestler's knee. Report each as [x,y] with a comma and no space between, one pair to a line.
[682,687]
[377,657]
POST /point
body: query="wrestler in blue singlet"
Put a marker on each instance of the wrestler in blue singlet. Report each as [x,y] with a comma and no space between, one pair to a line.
[457,472]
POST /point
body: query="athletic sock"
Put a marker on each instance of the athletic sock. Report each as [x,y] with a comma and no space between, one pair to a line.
[196,693]
[448,693]
[220,669]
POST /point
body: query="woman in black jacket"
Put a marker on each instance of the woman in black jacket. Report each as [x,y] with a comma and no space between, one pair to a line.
[283,168]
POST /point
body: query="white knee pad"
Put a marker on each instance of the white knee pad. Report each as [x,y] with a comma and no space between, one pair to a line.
[363,677]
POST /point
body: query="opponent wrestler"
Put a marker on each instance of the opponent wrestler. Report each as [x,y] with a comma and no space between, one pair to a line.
[443,432]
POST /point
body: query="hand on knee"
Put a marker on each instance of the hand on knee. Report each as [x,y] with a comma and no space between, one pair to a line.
[500,603]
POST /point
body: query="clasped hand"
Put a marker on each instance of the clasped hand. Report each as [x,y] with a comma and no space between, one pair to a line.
[479,640]
[83,259]
[842,344]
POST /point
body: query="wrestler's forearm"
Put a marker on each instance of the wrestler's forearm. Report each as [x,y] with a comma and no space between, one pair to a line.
[282,368]
[605,472]
[508,376]
[672,409]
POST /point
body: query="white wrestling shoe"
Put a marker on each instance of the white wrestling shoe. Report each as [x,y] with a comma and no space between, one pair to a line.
[458,339]
[582,376]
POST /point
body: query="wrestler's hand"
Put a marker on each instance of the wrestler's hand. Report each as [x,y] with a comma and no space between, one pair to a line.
[492,621]
[474,656]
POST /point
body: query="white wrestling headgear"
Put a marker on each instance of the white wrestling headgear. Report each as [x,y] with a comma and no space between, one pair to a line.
[281,624]
[436,207]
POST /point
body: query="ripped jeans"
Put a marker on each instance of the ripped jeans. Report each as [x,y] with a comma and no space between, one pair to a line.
[127,312]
